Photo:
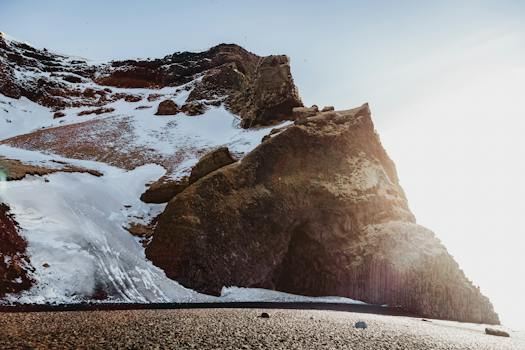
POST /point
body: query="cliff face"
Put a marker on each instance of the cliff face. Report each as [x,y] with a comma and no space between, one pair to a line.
[14,264]
[316,209]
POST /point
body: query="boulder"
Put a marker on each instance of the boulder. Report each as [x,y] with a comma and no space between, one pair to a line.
[315,210]
[210,162]
[304,112]
[193,108]
[59,114]
[167,107]
[272,93]
[361,325]
[327,109]
[496,332]
[163,191]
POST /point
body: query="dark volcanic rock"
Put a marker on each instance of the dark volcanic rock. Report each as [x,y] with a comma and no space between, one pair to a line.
[317,210]
[496,332]
[167,107]
[14,264]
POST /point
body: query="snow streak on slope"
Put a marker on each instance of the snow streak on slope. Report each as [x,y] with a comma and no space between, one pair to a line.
[74,224]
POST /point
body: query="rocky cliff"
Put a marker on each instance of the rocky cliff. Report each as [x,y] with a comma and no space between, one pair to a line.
[258,89]
[316,209]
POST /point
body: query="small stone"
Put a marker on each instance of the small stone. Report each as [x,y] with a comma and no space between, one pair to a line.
[58,115]
[361,325]
[45,265]
[496,332]
[264,315]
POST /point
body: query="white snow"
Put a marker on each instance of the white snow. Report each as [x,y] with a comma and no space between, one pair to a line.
[237,294]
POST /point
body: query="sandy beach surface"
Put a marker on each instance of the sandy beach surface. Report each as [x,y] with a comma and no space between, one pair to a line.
[239,329]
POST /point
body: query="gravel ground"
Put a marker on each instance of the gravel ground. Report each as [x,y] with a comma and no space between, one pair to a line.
[239,329]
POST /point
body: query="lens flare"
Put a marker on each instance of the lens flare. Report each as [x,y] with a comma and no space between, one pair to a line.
[3,179]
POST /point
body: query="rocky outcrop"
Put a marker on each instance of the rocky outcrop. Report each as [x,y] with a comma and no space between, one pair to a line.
[316,209]
[163,190]
[14,264]
[258,89]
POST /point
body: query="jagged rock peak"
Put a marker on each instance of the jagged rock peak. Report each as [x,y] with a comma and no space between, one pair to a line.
[258,89]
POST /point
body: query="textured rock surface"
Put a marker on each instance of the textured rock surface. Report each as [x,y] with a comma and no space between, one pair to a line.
[259,89]
[167,107]
[316,209]
[210,162]
[14,264]
[163,191]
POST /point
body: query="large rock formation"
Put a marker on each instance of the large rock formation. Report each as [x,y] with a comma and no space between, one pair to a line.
[316,209]
[14,264]
[258,89]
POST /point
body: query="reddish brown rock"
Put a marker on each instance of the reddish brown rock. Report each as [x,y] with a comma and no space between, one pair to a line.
[210,162]
[163,191]
[193,108]
[58,114]
[14,264]
[96,111]
[317,210]
[167,107]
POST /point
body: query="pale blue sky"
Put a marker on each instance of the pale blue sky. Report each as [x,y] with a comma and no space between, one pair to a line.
[445,81]
[334,45]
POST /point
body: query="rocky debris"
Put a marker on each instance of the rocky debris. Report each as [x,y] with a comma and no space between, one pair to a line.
[14,263]
[496,332]
[264,315]
[153,97]
[16,170]
[210,162]
[167,107]
[72,79]
[328,109]
[315,210]
[163,191]
[97,111]
[304,112]
[193,108]
[57,115]
[142,107]
[361,325]
[143,232]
